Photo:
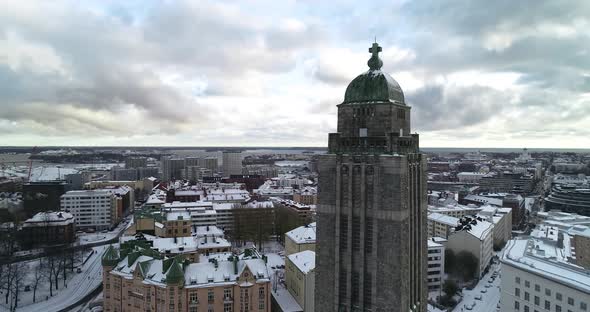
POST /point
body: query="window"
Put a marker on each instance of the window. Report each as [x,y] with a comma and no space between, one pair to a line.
[227,293]
[363,132]
[210,295]
[517,292]
[526,308]
[227,307]
[547,305]
[537,287]
[570,301]
[537,301]
[557,308]
[193,297]
[558,296]
[583,306]
[517,280]
[527,284]
[526,296]
[193,309]
[516,305]
[547,292]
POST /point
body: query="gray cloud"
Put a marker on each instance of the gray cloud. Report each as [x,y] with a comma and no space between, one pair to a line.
[435,107]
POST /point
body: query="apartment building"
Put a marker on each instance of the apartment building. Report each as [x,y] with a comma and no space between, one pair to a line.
[300,278]
[93,209]
[141,280]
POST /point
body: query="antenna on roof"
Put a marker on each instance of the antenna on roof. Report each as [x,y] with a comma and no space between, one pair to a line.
[375,39]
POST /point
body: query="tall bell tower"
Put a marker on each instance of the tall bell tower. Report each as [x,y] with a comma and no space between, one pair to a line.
[371,235]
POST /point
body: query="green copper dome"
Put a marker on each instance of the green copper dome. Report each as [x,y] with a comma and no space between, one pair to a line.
[374,85]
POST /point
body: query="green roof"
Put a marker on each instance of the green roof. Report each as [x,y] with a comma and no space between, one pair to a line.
[374,85]
[110,257]
[175,273]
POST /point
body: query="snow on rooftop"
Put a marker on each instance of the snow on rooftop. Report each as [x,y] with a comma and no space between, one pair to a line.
[441,218]
[546,260]
[304,261]
[54,218]
[304,234]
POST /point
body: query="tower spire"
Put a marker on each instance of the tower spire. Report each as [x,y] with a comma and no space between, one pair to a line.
[375,62]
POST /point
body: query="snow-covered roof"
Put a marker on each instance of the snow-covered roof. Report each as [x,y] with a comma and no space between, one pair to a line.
[444,219]
[484,200]
[477,227]
[178,215]
[546,259]
[195,274]
[210,231]
[50,219]
[304,261]
[436,242]
[303,234]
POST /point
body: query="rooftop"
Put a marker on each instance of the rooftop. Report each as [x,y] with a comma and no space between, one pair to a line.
[304,261]
[303,234]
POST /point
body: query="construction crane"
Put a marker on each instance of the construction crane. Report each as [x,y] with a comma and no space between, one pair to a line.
[31,163]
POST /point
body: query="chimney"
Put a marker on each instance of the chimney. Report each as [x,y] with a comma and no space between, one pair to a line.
[236,265]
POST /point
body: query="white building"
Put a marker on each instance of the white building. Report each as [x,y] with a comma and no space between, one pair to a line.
[455,210]
[205,213]
[300,278]
[474,235]
[91,209]
[436,263]
[440,225]
[502,220]
[539,274]
[232,163]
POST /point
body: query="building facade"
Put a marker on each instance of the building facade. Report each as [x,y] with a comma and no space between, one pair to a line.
[436,263]
[232,163]
[371,253]
[300,239]
[91,209]
[300,278]
[48,228]
[140,281]
[536,276]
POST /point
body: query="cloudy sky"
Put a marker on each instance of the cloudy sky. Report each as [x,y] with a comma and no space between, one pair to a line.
[270,73]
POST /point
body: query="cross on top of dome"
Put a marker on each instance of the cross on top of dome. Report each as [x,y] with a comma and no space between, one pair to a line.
[375,62]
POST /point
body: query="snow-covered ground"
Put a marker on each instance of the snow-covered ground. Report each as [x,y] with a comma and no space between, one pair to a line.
[489,300]
[79,286]
[92,238]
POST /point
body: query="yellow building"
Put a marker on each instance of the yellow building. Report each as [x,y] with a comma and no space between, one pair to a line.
[300,278]
[139,280]
[300,239]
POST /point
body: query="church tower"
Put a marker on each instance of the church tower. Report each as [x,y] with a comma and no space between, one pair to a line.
[371,232]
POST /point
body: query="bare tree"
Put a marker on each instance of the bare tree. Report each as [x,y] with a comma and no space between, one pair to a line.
[56,267]
[5,279]
[18,277]
[38,275]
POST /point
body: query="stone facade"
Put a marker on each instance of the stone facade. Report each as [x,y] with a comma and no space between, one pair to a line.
[140,282]
[371,232]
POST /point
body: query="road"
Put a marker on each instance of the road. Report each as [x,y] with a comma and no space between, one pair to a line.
[78,287]
[490,299]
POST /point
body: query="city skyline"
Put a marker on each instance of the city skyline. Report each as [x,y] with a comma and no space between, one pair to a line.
[156,73]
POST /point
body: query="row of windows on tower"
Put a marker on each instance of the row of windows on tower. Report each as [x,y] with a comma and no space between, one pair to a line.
[363,111]
[356,237]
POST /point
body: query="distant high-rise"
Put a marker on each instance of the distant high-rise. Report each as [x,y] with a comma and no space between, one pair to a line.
[371,231]
[232,163]
[210,163]
[171,168]
[135,162]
